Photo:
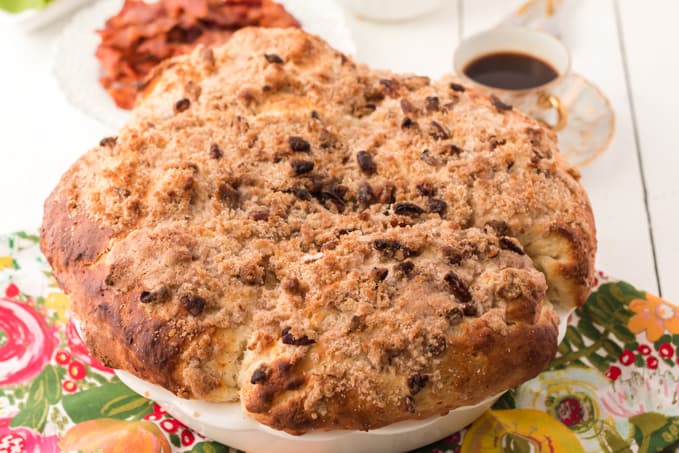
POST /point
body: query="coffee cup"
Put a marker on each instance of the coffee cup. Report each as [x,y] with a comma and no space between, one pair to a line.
[520,66]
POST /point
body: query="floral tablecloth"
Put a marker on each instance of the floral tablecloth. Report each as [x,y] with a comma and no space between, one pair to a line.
[613,387]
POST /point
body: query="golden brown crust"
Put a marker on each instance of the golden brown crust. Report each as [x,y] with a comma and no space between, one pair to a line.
[335,247]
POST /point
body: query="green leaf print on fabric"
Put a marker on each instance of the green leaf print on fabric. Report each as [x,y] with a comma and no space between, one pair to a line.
[33,416]
[654,432]
[210,447]
[112,400]
[44,390]
[604,316]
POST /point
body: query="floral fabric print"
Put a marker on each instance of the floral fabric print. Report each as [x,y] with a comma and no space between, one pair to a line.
[613,387]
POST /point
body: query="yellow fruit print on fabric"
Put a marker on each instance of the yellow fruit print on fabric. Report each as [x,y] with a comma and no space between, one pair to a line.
[519,431]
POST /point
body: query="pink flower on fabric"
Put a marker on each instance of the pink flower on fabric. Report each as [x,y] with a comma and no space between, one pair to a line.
[25,440]
[26,342]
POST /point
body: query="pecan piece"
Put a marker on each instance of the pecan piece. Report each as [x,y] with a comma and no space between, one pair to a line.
[288,338]
[457,287]
[273,58]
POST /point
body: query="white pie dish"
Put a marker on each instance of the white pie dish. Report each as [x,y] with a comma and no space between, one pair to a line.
[228,424]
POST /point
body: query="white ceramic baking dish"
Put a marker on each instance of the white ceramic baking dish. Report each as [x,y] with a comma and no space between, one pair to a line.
[228,424]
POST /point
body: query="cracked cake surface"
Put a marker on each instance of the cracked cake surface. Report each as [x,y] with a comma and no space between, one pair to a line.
[333,246]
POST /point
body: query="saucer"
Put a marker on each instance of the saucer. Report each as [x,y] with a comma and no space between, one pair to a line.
[591,120]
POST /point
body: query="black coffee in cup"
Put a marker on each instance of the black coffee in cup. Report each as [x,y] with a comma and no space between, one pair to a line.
[510,71]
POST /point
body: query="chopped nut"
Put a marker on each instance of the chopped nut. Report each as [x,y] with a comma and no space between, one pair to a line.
[378,274]
[327,139]
[365,194]
[454,315]
[215,151]
[193,304]
[407,123]
[409,209]
[417,382]
[159,295]
[315,115]
[356,324]
[366,162]
[511,244]
[452,150]
[258,215]
[387,194]
[298,144]
[457,87]
[301,166]
[438,206]
[437,346]
[500,227]
[302,193]
[432,103]
[288,338]
[182,105]
[108,142]
[390,85]
[228,194]
[427,157]
[393,249]
[292,286]
[499,105]
[405,267]
[425,189]
[457,287]
[494,142]
[407,107]
[470,309]
[273,58]
[260,375]
[438,132]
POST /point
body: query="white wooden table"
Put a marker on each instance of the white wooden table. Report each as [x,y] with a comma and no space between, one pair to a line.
[626,47]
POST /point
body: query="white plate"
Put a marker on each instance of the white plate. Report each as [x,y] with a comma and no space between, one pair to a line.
[77,69]
[35,18]
[228,424]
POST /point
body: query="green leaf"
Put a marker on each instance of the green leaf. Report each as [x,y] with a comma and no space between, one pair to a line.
[112,400]
[22,234]
[599,362]
[654,432]
[565,347]
[174,440]
[611,441]
[46,386]
[586,327]
[664,339]
[506,401]
[33,416]
[209,447]
[612,348]
[639,361]
[574,337]
[52,384]
[623,333]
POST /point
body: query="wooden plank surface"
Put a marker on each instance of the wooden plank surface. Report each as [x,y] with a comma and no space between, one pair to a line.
[650,42]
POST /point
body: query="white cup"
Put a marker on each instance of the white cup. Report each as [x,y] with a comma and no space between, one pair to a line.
[539,101]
